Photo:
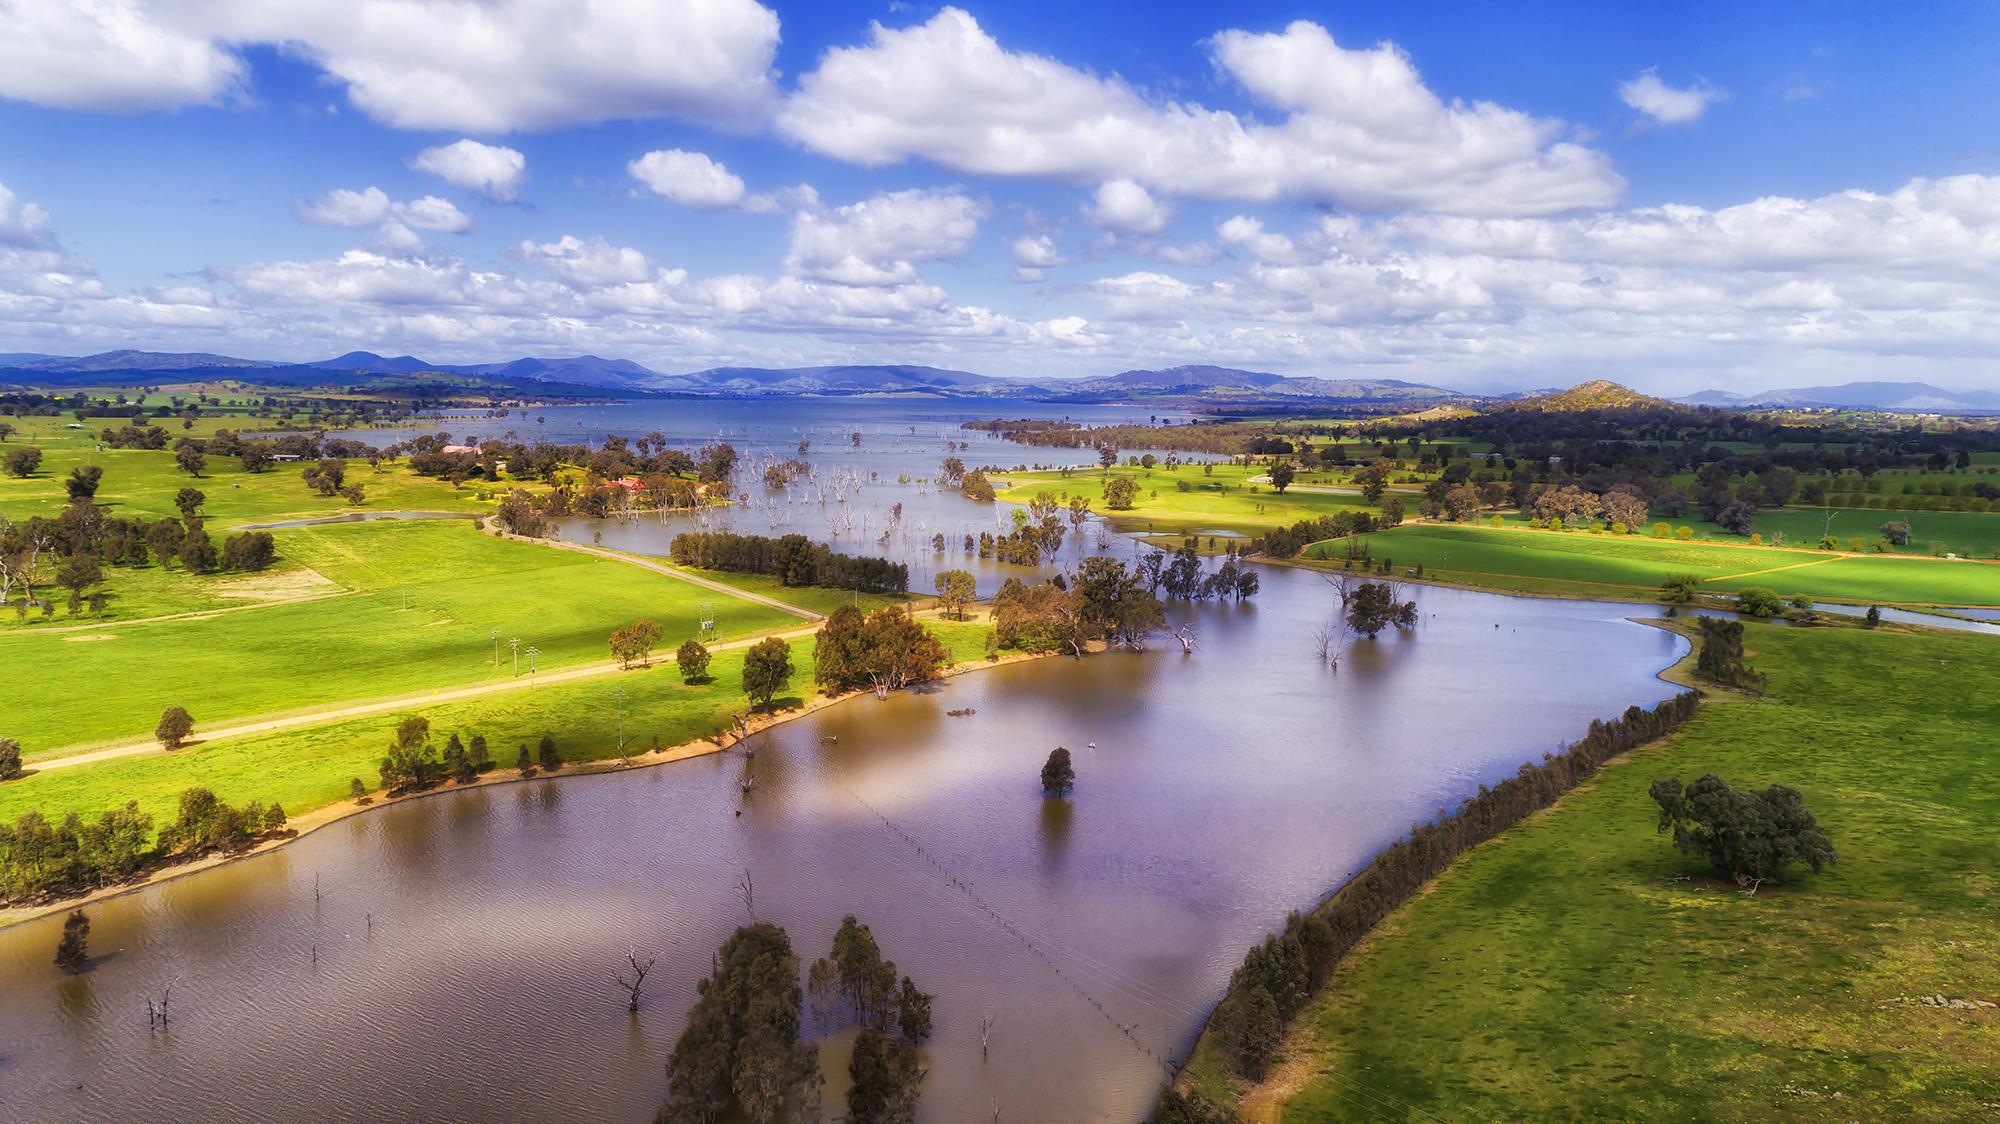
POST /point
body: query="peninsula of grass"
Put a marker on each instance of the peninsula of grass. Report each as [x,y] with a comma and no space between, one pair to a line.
[1578,967]
[1221,499]
[424,603]
[1633,566]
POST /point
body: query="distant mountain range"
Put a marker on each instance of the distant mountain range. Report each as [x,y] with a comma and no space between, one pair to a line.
[1194,385]
[1914,396]
[1189,384]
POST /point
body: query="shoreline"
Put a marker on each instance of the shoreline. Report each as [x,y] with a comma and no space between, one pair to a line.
[1679,673]
[307,823]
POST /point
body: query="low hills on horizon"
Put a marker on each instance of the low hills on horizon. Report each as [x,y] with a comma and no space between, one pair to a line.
[1194,384]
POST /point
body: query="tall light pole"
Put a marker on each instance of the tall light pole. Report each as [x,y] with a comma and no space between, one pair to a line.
[514,643]
[532,653]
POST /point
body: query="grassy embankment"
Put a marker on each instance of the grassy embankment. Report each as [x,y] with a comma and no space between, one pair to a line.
[1629,567]
[1580,968]
[310,768]
[425,600]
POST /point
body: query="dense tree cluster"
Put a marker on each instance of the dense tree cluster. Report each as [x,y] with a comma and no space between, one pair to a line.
[955,589]
[1372,607]
[1105,602]
[1278,976]
[1746,835]
[1721,657]
[78,543]
[794,560]
[1286,542]
[1182,577]
[741,1048]
[885,650]
[42,860]
[858,985]
[975,486]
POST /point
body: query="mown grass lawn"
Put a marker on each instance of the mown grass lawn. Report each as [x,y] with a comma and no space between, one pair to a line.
[1556,562]
[312,767]
[427,598]
[1580,968]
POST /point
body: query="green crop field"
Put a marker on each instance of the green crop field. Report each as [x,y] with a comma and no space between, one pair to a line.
[309,768]
[1555,562]
[1219,500]
[426,598]
[1580,968]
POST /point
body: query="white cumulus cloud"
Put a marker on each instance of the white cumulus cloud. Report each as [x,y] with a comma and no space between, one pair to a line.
[692,179]
[589,263]
[372,206]
[1123,207]
[1666,104]
[1034,255]
[1358,127]
[108,55]
[879,240]
[494,171]
[493,66]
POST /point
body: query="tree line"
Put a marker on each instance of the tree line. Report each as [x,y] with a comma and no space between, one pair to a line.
[794,560]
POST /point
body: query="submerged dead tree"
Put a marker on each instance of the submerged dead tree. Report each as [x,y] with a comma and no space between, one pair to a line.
[637,983]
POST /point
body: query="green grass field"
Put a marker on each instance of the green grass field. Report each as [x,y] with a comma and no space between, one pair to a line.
[427,598]
[1580,968]
[310,768]
[1557,562]
[1221,500]
[816,598]
[1974,534]
[140,482]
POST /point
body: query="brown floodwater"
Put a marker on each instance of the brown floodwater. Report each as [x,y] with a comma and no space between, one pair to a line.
[453,958]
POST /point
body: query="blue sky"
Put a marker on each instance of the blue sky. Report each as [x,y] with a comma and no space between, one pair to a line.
[1477,195]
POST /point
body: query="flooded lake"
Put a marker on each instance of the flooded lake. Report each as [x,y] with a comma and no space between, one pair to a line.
[452,958]
[869,489]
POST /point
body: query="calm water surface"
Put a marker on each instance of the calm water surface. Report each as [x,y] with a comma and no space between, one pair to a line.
[465,944]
